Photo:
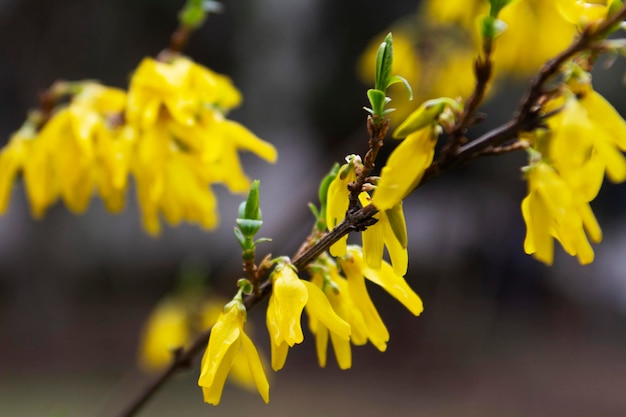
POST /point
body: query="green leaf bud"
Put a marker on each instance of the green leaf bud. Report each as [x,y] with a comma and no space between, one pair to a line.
[384,61]
[492,27]
[249,227]
[240,237]
[398,79]
[252,210]
[496,6]
[378,100]
[425,115]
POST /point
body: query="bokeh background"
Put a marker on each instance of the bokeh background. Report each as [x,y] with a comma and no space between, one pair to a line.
[502,335]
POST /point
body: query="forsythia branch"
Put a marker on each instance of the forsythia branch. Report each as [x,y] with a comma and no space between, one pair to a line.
[526,118]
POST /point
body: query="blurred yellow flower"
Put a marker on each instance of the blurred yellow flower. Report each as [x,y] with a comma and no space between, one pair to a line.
[185,141]
[168,328]
[12,160]
[586,138]
[170,132]
[585,13]
[228,340]
[552,211]
[174,323]
[435,50]
[68,156]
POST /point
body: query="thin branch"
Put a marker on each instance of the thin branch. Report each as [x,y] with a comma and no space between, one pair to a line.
[377,132]
[483,70]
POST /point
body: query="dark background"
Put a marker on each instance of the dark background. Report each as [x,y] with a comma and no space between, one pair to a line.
[502,335]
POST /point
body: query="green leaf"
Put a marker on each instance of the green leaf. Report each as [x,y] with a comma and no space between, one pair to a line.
[252,210]
[377,100]
[492,27]
[398,79]
[497,6]
[323,189]
[194,13]
[384,61]
[249,227]
[314,210]
[240,237]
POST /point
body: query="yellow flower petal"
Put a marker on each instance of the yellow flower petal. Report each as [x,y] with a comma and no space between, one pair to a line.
[256,367]
[321,344]
[12,158]
[404,168]
[343,352]
[393,283]
[290,295]
[318,306]
[224,344]
[376,330]
[166,329]
[337,203]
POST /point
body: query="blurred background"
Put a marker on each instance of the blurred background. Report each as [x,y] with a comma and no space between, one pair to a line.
[501,335]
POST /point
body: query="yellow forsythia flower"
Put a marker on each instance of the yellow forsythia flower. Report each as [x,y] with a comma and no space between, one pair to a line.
[12,160]
[360,315]
[170,132]
[174,323]
[289,296]
[535,33]
[337,201]
[185,141]
[405,167]
[325,275]
[585,13]
[356,271]
[167,329]
[64,159]
[552,211]
[389,232]
[587,130]
[227,340]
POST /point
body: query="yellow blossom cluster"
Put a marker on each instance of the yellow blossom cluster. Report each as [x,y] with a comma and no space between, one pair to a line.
[339,309]
[170,132]
[583,143]
[343,282]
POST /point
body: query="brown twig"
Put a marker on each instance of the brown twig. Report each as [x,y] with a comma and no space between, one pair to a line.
[483,71]
[377,131]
